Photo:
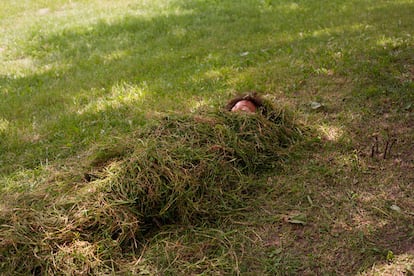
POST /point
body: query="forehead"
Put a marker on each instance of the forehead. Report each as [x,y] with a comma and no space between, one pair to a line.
[244,105]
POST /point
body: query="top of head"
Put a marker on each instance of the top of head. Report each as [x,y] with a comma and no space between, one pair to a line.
[244,106]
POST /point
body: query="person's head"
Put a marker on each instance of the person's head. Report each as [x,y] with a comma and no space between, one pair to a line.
[245,103]
[245,106]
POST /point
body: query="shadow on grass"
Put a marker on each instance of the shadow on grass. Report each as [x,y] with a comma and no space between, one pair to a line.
[199,52]
[159,61]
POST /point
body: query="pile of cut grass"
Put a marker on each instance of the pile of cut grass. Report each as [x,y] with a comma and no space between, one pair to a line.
[194,169]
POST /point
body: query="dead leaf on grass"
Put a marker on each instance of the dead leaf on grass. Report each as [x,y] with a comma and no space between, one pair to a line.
[395,208]
[297,219]
[316,105]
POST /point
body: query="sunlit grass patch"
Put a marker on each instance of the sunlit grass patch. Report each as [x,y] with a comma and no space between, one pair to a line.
[4,124]
[122,94]
[196,250]
[393,265]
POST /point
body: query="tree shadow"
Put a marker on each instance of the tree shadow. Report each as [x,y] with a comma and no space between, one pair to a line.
[157,58]
[171,58]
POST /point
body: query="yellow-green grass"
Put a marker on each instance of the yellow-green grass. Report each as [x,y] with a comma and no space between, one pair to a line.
[79,78]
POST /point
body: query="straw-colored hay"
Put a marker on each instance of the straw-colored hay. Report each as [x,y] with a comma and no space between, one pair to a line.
[188,169]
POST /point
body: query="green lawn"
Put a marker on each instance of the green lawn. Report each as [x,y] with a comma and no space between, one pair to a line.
[79,79]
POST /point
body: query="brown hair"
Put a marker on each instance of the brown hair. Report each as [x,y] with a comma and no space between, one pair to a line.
[251,97]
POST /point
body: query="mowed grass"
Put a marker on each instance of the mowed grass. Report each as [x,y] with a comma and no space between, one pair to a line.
[80,78]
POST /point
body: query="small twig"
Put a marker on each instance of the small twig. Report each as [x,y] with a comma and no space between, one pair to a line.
[386,148]
[374,148]
[392,144]
[372,151]
[381,211]
[157,222]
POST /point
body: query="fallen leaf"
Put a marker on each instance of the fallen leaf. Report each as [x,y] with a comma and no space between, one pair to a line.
[297,219]
[408,107]
[395,208]
[315,105]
